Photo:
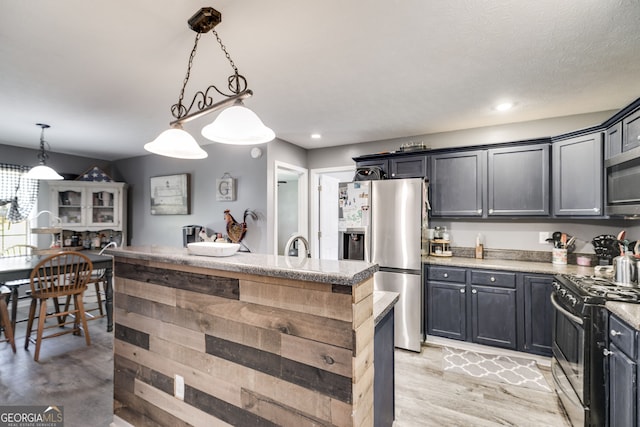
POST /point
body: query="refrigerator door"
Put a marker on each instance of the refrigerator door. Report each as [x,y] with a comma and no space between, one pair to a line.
[396,221]
[408,309]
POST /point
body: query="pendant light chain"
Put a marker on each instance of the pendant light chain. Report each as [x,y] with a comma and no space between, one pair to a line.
[237,82]
[42,155]
[181,109]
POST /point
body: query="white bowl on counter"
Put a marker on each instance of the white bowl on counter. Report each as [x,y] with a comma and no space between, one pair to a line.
[212,248]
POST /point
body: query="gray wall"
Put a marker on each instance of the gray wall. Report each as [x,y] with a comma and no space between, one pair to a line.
[251,193]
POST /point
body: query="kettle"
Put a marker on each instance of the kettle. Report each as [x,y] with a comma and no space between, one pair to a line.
[625,269]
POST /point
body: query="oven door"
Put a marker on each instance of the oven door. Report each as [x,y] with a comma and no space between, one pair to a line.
[569,346]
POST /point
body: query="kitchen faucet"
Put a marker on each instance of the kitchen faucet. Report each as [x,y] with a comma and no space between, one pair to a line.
[292,239]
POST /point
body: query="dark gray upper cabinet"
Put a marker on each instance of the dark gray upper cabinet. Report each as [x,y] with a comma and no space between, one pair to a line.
[456,183]
[613,140]
[577,170]
[381,163]
[538,314]
[408,167]
[518,181]
[631,131]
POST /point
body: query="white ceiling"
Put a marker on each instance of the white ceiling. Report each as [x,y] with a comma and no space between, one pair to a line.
[104,74]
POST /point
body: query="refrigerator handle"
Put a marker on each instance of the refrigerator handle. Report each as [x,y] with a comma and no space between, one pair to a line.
[367,243]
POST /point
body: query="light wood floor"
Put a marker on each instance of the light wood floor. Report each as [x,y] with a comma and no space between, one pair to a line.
[80,378]
[428,396]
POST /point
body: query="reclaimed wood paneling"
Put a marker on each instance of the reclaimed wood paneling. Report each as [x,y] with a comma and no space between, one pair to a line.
[252,350]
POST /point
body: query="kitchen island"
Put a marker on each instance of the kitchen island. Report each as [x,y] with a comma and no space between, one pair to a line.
[244,340]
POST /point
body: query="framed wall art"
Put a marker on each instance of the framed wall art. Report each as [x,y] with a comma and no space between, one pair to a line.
[226,188]
[170,195]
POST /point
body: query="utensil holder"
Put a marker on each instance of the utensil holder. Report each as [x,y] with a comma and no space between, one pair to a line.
[559,256]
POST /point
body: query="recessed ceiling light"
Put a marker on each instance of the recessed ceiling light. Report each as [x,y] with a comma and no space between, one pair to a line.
[504,106]
[316,136]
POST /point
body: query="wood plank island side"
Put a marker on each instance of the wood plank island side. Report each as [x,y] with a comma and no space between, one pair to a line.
[275,348]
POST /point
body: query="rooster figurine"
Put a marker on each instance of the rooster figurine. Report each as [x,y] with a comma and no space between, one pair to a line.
[236,230]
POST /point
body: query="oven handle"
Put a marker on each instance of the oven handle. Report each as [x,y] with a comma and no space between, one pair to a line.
[573,318]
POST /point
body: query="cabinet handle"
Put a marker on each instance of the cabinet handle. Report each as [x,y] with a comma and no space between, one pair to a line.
[393,174]
[596,209]
[473,291]
[479,211]
[493,279]
[462,291]
[607,352]
[490,211]
[638,138]
[615,333]
[445,275]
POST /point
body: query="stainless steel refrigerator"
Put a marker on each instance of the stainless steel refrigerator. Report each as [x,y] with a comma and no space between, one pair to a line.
[381,222]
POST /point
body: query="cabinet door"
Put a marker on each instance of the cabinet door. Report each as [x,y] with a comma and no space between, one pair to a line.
[631,131]
[103,207]
[381,163]
[493,316]
[518,181]
[538,314]
[622,388]
[456,183]
[613,140]
[67,203]
[577,176]
[408,166]
[446,310]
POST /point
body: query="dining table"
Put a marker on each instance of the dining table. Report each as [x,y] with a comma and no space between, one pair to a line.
[19,268]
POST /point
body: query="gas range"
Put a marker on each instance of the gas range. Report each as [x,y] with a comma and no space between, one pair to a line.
[577,290]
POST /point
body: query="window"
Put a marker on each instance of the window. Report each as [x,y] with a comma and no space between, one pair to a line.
[12,233]
[18,198]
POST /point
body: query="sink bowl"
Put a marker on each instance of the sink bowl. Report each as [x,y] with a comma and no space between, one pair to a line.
[212,248]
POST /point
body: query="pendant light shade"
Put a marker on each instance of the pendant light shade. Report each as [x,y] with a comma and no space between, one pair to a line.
[42,171]
[238,125]
[176,142]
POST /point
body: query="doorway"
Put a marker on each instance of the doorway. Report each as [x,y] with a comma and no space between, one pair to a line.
[324,209]
[290,204]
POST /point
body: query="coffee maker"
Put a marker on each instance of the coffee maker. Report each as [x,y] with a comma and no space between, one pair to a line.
[191,233]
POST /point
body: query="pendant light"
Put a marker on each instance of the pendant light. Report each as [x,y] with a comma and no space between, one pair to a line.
[236,124]
[42,171]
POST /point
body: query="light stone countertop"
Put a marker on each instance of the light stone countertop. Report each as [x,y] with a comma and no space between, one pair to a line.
[383,302]
[628,312]
[347,273]
[498,264]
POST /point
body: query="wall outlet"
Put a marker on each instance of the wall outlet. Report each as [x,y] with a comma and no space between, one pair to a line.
[179,387]
[543,236]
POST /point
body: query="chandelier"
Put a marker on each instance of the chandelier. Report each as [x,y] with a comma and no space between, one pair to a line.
[236,124]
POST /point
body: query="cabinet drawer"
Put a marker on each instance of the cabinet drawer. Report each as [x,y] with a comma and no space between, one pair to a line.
[623,336]
[447,274]
[493,278]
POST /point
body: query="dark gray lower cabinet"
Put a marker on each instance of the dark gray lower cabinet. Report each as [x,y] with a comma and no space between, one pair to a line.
[622,382]
[498,308]
[538,314]
[446,310]
[384,377]
[493,316]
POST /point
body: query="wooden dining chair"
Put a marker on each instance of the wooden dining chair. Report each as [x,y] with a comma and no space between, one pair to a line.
[14,285]
[64,274]
[5,323]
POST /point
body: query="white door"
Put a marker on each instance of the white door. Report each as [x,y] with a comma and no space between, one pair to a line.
[328,217]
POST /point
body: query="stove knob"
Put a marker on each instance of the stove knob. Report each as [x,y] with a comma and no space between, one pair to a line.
[563,292]
[556,286]
[615,333]
[572,299]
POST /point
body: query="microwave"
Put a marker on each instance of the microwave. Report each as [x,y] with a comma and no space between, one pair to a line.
[623,184]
